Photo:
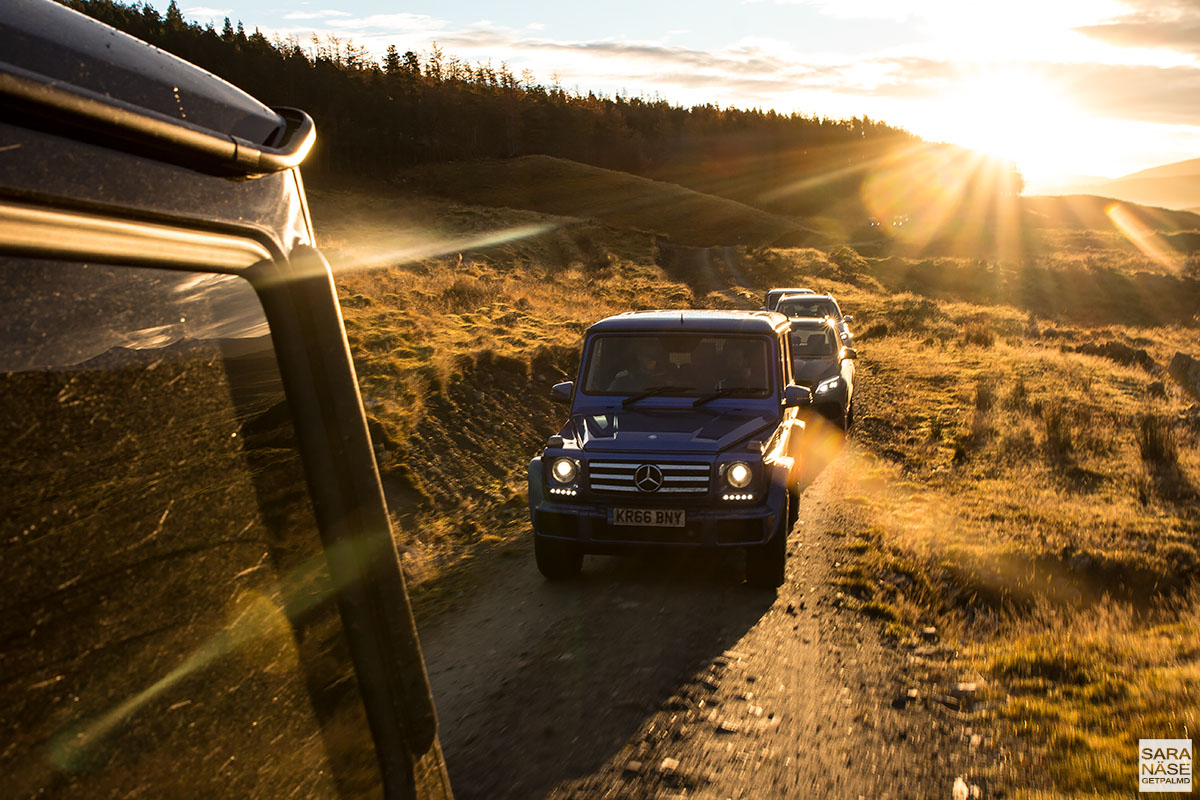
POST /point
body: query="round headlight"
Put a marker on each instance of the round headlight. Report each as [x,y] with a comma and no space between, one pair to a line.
[828,385]
[738,475]
[564,470]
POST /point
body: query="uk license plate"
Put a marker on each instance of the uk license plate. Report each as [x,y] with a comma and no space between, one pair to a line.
[648,517]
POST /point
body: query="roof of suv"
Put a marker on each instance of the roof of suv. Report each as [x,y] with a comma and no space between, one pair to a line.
[807,296]
[72,76]
[693,320]
[63,45]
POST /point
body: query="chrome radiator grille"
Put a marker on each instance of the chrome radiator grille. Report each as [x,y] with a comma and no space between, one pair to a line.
[678,478]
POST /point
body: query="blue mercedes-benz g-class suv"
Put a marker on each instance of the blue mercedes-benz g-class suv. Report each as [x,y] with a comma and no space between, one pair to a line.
[684,433]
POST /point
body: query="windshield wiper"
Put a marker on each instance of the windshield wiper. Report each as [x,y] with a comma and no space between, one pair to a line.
[726,392]
[652,391]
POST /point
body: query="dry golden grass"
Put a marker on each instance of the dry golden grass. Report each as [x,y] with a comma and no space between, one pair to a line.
[1084,689]
[559,186]
[1039,505]
[459,320]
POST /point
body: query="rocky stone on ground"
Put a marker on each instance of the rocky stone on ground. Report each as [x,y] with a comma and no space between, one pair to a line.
[1186,372]
[1119,352]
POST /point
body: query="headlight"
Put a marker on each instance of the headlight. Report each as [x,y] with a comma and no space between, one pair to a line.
[564,470]
[738,475]
[828,385]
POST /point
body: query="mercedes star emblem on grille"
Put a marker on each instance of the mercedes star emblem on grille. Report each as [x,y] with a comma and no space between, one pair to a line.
[648,478]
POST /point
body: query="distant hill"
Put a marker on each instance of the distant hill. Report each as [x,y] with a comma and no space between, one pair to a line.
[1089,212]
[560,186]
[1174,185]
[1180,169]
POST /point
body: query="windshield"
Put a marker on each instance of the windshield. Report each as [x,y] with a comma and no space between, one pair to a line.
[808,308]
[678,365]
[811,344]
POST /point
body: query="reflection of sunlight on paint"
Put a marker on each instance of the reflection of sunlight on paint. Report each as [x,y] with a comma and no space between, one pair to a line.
[1142,237]
[403,248]
[150,338]
[190,283]
[258,631]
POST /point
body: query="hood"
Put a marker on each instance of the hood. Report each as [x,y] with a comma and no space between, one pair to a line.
[692,430]
[811,371]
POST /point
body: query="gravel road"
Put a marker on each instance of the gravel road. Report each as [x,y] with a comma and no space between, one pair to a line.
[666,677]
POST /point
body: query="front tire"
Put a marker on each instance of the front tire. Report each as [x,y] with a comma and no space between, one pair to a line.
[557,560]
[766,564]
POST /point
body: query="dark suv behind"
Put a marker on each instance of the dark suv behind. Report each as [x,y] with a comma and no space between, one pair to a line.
[822,363]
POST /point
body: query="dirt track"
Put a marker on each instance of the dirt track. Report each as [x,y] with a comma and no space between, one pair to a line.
[661,677]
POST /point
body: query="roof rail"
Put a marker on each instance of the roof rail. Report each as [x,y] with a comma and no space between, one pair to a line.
[86,114]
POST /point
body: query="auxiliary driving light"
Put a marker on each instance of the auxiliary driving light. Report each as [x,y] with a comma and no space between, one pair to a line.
[738,474]
[564,470]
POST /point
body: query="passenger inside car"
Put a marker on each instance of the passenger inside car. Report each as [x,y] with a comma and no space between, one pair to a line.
[811,344]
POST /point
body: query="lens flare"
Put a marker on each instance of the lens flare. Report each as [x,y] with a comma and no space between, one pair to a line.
[407,247]
[1143,237]
[258,626]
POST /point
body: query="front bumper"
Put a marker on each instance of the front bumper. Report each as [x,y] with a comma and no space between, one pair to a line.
[707,525]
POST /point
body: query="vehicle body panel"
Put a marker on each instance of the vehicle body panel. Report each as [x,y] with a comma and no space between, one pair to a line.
[135,208]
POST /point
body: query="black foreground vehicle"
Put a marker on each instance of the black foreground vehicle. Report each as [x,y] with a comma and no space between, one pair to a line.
[201,595]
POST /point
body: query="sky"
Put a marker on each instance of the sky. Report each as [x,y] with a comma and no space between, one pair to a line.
[1068,89]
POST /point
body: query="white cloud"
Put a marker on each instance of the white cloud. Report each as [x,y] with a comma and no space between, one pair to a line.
[204,12]
[316,14]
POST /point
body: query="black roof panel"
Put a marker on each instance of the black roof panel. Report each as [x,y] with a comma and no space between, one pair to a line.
[64,45]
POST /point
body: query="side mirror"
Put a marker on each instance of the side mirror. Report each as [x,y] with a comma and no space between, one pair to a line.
[849,352]
[795,396]
[848,317]
[561,392]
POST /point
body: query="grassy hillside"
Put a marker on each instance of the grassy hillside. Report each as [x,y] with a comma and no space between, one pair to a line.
[558,186]
[1174,185]
[1090,213]
[1029,230]
[1024,475]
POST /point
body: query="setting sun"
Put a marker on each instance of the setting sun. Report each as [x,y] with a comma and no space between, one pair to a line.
[1017,116]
